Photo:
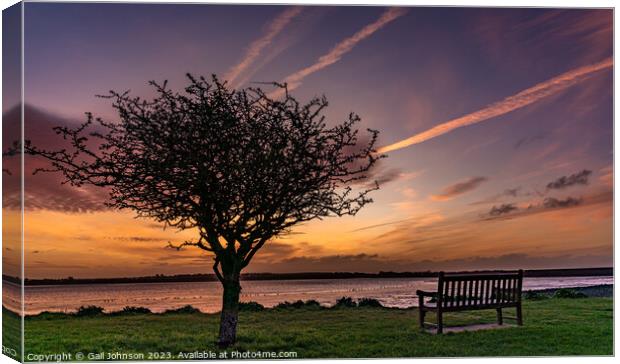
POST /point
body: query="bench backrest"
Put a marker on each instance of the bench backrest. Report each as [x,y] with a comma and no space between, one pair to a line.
[493,289]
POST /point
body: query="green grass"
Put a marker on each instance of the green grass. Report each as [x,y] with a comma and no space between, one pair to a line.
[11,334]
[552,327]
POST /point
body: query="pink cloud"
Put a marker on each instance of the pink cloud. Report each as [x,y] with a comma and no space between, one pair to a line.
[274,28]
[335,54]
[522,99]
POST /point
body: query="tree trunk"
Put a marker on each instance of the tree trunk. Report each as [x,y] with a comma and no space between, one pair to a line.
[230,310]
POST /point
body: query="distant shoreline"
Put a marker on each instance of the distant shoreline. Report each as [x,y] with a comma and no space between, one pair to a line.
[599,290]
[576,272]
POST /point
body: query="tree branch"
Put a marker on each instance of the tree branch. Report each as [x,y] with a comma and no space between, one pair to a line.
[216,270]
[252,252]
[190,243]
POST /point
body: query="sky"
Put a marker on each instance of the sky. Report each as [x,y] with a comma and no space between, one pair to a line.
[497,124]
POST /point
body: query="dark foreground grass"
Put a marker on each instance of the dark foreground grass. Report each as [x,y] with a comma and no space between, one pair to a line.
[552,327]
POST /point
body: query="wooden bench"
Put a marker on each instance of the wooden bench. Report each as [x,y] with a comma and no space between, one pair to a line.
[474,291]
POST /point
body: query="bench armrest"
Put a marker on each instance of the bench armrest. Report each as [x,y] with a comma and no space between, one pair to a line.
[425,293]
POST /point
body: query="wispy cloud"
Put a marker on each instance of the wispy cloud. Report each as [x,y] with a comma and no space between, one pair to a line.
[524,98]
[509,192]
[580,178]
[379,225]
[365,262]
[528,140]
[503,209]
[553,204]
[335,54]
[274,28]
[459,188]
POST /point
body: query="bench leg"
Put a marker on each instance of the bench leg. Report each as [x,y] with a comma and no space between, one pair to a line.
[421,317]
[519,315]
[439,322]
[421,311]
[500,320]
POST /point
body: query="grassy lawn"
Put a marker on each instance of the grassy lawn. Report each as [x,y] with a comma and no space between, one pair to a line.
[11,334]
[552,327]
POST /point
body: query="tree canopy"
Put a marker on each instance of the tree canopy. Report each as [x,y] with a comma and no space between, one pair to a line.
[238,166]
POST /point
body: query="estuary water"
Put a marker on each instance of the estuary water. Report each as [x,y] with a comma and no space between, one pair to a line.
[206,296]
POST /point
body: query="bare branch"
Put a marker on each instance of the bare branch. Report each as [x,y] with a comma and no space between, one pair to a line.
[238,166]
[218,274]
[198,244]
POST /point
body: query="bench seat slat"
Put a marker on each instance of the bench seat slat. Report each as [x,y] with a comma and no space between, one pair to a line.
[433,307]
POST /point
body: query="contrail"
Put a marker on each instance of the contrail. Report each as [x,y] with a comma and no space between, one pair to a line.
[335,54]
[526,97]
[254,50]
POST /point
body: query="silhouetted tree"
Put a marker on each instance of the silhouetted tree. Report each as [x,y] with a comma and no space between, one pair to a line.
[237,166]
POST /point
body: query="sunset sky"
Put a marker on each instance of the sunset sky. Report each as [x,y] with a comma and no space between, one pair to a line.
[497,124]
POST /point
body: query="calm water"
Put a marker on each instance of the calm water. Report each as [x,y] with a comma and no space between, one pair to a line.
[393,292]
